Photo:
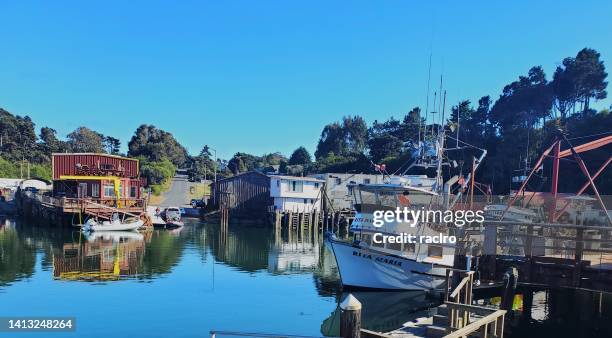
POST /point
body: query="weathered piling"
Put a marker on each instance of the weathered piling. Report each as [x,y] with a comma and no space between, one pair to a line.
[350,317]
[510,284]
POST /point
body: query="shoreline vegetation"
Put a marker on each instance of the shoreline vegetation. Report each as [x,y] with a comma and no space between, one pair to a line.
[513,129]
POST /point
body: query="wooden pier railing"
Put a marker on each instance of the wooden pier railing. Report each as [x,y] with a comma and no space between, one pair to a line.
[546,254]
[461,294]
[491,324]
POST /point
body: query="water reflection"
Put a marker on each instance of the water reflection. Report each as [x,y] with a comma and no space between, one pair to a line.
[290,276]
[381,311]
[17,258]
[103,256]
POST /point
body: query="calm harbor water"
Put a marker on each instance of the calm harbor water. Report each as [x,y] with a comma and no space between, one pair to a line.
[186,282]
[180,283]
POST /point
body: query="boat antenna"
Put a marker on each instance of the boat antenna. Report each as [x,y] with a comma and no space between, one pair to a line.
[433,112]
[440,102]
[458,113]
[443,111]
[426,104]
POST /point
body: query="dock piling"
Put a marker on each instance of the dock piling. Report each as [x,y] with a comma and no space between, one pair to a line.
[350,317]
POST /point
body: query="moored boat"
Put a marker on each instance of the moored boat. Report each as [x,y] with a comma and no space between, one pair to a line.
[417,264]
[366,264]
[115,225]
[172,216]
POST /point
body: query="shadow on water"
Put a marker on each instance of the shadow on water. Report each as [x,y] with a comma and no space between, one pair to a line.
[295,271]
[562,313]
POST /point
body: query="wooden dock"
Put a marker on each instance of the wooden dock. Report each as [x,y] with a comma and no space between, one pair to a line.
[321,220]
[547,255]
[60,211]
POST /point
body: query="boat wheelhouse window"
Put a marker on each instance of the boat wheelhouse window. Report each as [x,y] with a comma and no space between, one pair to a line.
[133,192]
[366,181]
[109,190]
[378,245]
[366,238]
[394,246]
[338,181]
[387,198]
[366,197]
[434,251]
[305,200]
[95,190]
[409,247]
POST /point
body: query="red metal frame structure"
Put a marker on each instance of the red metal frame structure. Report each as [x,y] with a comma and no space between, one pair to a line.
[557,155]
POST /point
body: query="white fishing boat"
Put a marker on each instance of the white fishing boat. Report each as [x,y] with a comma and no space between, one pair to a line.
[115,225]
[366,263]
[363,263]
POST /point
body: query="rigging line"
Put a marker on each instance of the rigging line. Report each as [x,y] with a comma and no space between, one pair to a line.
[427,103]
[599,134]
[471,145]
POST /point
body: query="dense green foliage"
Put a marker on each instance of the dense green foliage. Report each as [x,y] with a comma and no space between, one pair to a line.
[22,152]
[343,138]
[243,162]
[158,173]
[85,140]
[514,129]
[203,166]
[156,145]
[20,169]
[300,156]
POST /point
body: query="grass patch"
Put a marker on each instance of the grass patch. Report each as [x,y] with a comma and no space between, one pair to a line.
[198,190]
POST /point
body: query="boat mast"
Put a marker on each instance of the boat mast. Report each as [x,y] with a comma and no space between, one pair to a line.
[426,107]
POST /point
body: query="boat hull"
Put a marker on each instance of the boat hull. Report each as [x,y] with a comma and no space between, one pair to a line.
[365,268]
[113,226]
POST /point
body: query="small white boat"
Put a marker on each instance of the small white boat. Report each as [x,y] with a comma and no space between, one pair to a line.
[116,225]
[172,216]
[156,216]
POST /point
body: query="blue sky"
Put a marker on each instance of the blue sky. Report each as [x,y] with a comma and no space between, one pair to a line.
[266,76]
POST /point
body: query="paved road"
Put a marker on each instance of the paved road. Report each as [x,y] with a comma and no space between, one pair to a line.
[177,194]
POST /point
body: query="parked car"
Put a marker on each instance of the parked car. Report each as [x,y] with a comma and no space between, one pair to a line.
[198,203]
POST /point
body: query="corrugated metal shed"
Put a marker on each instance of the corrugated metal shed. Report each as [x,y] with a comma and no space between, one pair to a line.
[93,164]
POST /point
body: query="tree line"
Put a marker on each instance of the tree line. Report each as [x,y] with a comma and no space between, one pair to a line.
[23,152]
[514,129]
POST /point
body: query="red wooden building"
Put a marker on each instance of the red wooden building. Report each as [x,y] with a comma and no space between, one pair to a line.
[99,177]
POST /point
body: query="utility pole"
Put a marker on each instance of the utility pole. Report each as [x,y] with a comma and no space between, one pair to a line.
[215,162]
